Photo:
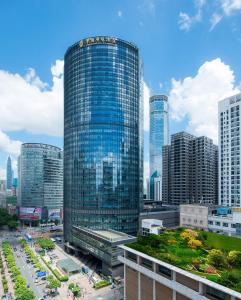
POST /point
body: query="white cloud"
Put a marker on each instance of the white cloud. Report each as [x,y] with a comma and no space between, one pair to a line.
[230,6]
[146,172]
[119,13]
[186,21]
[215,19]
[9,146]
[148,6]
[29,104]
[196,98]
[2,173]
[146,97]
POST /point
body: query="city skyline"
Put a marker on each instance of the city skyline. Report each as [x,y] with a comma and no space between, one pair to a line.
[194,80]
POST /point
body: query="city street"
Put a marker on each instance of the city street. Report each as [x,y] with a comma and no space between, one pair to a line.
[28,271]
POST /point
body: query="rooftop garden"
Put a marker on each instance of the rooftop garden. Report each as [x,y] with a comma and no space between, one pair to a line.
[210,255]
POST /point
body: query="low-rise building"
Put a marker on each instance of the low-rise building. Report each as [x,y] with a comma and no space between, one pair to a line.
[148,278]
[170,215]
[228,222]
[194,216]
[103,245]
[151,226]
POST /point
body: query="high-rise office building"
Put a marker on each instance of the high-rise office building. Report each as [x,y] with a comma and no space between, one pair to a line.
[41,176]
[159,132]
[204,177]
[9,174]
[102,136]
[190,170]
[166,169]
[229,151]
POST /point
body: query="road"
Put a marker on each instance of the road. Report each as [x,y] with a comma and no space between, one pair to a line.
[27,270]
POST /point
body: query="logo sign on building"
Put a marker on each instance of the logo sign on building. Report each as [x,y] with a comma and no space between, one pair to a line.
[54,214]
[97,40]
[30,213]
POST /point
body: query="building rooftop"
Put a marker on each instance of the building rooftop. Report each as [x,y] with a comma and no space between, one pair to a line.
[107,235]
[215,257]
[111,235]
[69,265]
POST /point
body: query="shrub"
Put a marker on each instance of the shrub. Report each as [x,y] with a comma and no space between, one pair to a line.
[210,270]
[234,258]
[194,244]
[216,258]
[188,234]
[101,284]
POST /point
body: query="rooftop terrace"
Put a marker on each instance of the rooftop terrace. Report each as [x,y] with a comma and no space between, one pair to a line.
[209,255]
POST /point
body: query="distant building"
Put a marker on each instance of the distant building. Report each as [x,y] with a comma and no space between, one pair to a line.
[9,173]
[166,178]
[3,184]
[41,177]
[229,113]
[159,132]
[190,170]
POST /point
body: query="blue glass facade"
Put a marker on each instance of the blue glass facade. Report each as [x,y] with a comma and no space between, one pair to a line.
[41,176]
[159,132]
[9,174]
[102,135]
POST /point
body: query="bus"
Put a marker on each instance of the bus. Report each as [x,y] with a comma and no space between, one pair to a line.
[28,237]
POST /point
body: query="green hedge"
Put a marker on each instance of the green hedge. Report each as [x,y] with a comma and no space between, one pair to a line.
[56,272]
[101,284]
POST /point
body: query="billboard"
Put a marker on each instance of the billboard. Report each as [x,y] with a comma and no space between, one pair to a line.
[30,213]
[54,214]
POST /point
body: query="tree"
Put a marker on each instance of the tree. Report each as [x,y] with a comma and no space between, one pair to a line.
[234,258]
[46,243]
[216,258]
[12,224]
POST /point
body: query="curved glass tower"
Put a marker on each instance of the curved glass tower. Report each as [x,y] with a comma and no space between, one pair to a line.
[158,138]
[102,135]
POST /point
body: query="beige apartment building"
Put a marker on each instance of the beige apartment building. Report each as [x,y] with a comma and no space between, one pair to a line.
[194,216]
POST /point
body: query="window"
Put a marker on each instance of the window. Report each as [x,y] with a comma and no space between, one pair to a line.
[131,256]
[217,223]
[164,271]
[146,262]
[215,294]
[225,224]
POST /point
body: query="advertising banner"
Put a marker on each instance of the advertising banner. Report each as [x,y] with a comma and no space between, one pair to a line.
[30,213]
[54,214]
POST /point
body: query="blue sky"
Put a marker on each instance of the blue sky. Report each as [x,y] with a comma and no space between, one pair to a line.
[190,49]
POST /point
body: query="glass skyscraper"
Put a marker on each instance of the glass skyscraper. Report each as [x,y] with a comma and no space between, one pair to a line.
[102,135]
[9,174]
[159,131]
[41,176]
